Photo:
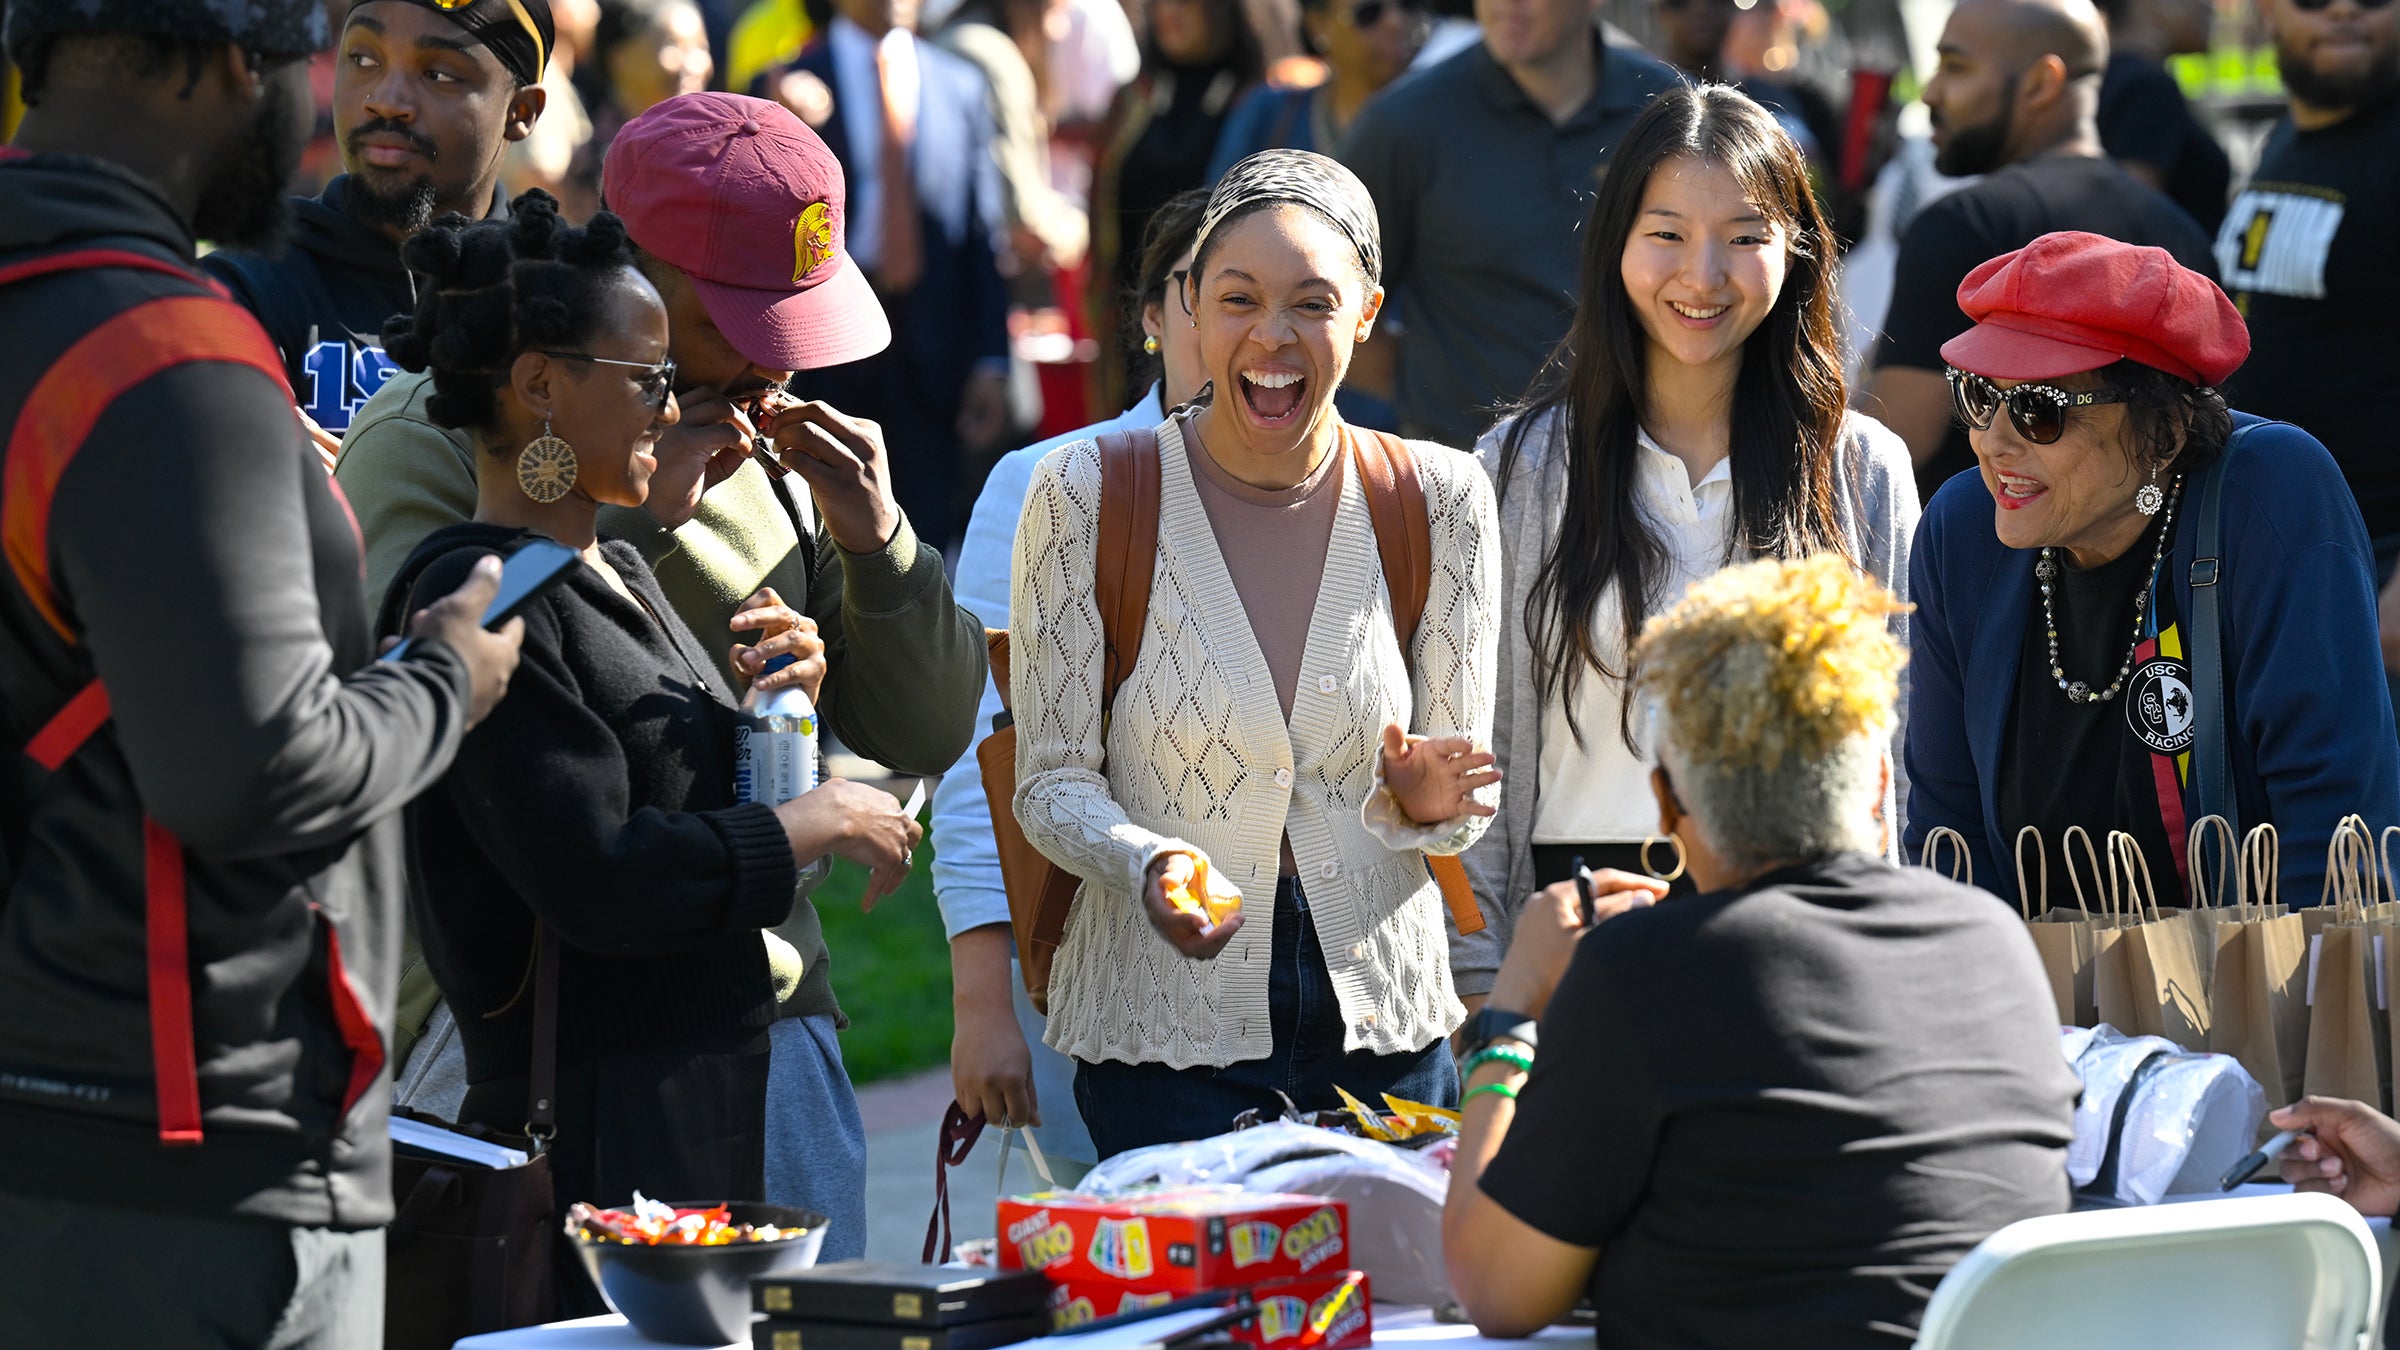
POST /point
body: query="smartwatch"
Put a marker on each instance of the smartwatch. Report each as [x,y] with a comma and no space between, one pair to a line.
[1491,1024]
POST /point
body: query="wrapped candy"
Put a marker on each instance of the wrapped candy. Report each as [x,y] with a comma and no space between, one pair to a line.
[650,1223]
[1194,887]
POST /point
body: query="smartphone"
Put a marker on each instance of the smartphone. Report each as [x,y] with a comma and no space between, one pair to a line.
[528,572]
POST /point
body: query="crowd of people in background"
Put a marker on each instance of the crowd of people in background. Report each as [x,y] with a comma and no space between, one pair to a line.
[1557,449]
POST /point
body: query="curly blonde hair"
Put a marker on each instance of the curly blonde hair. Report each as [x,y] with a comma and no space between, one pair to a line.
[1773,686]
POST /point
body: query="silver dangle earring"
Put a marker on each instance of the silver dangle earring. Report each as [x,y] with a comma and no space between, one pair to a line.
[2148,498]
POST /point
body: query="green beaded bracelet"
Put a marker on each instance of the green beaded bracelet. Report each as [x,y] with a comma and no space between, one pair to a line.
[1496,1089]
[1499,1054]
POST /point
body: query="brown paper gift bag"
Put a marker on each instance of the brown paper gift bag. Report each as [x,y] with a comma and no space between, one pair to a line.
[2149,981]
[2349,1037]
[2257,1010]
[2062,938]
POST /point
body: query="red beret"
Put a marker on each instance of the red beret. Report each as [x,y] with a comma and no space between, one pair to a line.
[2070,302]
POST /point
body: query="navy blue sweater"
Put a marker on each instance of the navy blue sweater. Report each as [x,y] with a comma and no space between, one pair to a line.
[2312,713]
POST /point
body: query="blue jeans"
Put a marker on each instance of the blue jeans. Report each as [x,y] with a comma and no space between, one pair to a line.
[1131,1106]
[816,1145]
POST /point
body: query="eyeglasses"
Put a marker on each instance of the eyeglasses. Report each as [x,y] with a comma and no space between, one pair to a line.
[1368,13]
[2037,411]
[2314,5]
[655,381]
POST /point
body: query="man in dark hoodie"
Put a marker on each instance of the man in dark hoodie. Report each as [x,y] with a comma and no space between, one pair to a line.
[426,99]
[200,841]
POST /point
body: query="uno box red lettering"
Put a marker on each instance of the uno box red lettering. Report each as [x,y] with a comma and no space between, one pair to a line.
[1179,1240]
[1286,1309]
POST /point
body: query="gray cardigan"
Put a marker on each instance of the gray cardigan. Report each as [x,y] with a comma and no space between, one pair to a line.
[1875,492]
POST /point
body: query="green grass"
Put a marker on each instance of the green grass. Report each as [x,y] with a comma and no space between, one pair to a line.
[891,970]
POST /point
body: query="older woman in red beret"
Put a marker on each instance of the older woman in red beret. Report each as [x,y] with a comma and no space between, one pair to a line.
[2141,607]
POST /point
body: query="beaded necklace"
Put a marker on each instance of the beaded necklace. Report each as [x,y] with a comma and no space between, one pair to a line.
[2045,571]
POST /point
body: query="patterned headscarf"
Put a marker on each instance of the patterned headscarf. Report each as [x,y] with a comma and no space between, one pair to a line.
[273,28]
[518,32]
[1299,178]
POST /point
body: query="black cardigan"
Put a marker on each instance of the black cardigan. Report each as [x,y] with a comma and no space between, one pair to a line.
[598,796]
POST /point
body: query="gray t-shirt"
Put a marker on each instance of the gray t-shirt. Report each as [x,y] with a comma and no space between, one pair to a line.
[1482,199]
[1783,1112]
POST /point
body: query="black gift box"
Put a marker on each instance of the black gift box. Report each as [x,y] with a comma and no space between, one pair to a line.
[783,1333]
[885,1294]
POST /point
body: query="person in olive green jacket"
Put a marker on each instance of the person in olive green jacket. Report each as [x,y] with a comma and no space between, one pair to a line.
[753,489]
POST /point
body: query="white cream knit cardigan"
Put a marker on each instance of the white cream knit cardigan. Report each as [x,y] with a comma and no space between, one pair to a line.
[1198,756]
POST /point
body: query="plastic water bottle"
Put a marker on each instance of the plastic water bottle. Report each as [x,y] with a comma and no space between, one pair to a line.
[775,743]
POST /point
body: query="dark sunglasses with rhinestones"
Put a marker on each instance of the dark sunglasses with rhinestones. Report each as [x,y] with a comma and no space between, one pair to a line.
[655,381]
[2037,411]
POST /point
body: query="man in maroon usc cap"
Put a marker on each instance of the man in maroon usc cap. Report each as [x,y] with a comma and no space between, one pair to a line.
[912,124]
[738,212]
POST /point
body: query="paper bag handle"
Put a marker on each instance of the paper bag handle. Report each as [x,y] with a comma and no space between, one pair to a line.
[2041,854]
[2349,867]
[1962,864]
[2262,865]
[2125,850]
[2383,852]
[2108,899]
[2219,829]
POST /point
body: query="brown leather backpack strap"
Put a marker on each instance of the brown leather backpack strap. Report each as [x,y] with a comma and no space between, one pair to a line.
[1128,550]
[1387,469]
[995,648]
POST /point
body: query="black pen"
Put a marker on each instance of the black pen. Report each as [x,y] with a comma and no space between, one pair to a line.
[1583,889]
[2249,1167]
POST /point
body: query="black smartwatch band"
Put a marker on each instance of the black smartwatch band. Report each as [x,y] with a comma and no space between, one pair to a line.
[1499,1024]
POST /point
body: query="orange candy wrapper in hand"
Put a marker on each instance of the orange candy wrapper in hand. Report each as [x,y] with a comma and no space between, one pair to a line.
[1194,887]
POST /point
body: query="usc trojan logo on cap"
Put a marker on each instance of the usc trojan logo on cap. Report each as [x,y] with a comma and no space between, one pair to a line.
[812,241]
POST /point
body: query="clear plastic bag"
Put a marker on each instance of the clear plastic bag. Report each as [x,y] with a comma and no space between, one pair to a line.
[1394,1195]
[2190,1117]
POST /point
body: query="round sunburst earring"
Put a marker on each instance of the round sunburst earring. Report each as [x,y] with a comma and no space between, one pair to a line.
[2147,499]
[1652,868]
[546,466]
[1150,346]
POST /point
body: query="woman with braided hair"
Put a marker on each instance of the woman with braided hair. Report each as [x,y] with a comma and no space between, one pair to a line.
[595,825]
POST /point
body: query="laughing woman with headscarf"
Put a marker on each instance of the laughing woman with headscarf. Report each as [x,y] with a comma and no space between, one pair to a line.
[1272,736]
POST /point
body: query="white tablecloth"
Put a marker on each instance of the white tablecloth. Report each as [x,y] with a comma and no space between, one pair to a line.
[1394,1326]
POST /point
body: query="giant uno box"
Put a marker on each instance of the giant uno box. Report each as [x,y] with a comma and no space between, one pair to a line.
[1286,1309]
[1177,1240]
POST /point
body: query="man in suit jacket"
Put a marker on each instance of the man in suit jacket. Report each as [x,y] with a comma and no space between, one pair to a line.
[902,113]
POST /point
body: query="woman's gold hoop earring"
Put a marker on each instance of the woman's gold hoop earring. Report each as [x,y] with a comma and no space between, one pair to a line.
[1649,867]
[546,466]
[1150,346]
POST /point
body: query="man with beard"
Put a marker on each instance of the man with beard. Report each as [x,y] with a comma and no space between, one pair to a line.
[2311,255]
[200,845]
[2016,98]
[426,99]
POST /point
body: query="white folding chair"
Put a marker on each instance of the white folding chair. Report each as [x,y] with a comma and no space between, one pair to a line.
[2296,1272]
